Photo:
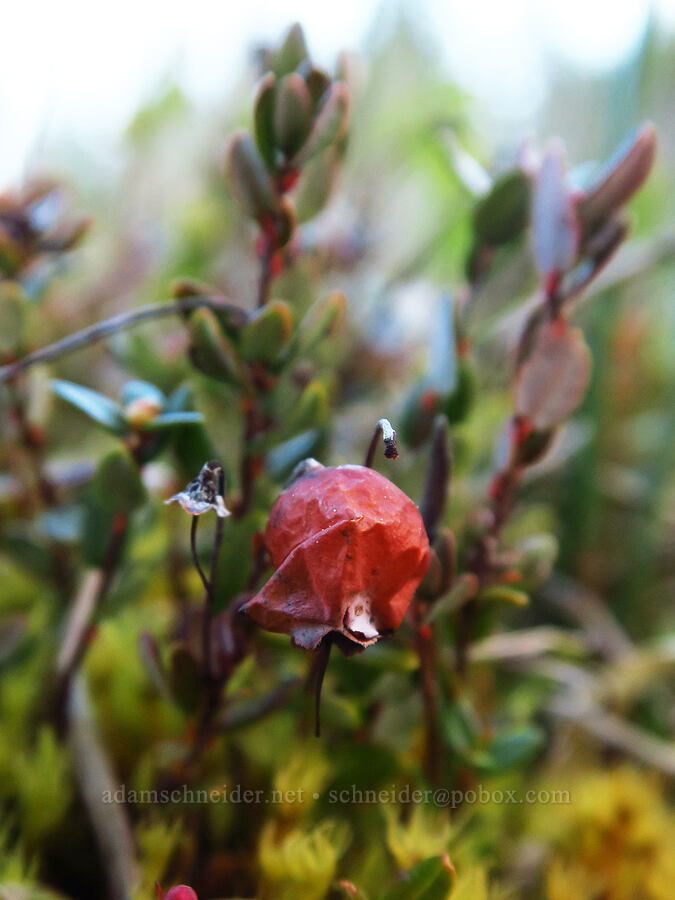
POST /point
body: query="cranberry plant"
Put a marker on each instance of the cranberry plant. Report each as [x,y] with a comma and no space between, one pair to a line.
[225,499]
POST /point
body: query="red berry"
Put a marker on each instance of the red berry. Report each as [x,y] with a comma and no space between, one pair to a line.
[349,549]
[181,892]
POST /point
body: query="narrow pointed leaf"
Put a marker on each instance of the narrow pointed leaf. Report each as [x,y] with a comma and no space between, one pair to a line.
[625,172]
[172,419]
[248,176]
[97,406]
[315,185]
[503,213]
[292,52]
[263,118]
[211,351]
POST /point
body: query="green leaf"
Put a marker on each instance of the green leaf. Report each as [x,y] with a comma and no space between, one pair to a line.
[236,556]
[248,176]
[265,336]
[292,52]
[513,748]
[141,390]
[460,727]
[503,593]
[432,879]
[502,215]
[192,447]
[116,484]
[321,320]
[263,118]
[315,184]
[171,419]
[280,462]
[329,125]
[291,114]
[458,403]
[97,406]
[97,524]
[310,409]
[211,350]
[418,414]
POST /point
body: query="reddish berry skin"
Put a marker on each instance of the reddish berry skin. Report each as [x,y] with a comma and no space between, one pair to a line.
[181,892]
[349,549]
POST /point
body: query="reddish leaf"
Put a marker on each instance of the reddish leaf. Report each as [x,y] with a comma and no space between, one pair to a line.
[620,179]
[553,380]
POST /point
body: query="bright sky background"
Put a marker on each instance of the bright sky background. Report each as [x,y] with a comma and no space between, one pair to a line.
[76,69]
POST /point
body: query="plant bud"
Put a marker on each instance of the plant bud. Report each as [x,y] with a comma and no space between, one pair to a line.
[142,411]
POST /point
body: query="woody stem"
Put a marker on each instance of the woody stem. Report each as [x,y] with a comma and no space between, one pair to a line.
[209,602]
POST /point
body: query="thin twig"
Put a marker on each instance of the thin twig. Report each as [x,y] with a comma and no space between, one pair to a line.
[209,603]
[583,606]
[425,646]
[195,554]
[115,324]
[615,732]
[79,629]
[96,782]
[265,279]
[318,671]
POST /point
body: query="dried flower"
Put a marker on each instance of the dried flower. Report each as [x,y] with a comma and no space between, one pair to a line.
[204,492]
